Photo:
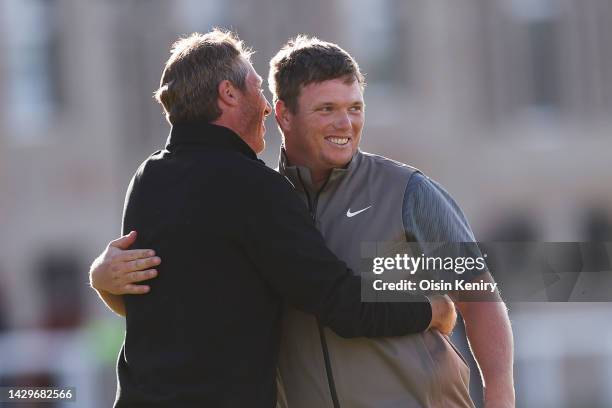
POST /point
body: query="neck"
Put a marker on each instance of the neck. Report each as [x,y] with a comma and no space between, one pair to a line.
[230,124]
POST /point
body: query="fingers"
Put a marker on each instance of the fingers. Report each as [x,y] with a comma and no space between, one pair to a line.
[125,241]
[443,312]
[133,254]
[140,276]
[130,289]
[140,264]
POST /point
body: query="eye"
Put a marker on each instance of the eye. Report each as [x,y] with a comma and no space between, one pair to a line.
[325,109]
[356,108]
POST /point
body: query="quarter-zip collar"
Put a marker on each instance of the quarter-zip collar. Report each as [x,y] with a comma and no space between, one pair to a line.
[207,134]
[301,177]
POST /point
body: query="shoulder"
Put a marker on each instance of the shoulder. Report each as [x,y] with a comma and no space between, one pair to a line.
[381,171]
[385,164]
[263,185]
[431,214]
[422,189]
[426,199]
[146,165]
[271,178]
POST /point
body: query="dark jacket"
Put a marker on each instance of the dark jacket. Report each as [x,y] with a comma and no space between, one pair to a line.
[236,243]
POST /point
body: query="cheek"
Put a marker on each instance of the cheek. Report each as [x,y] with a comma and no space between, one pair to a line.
[322,127]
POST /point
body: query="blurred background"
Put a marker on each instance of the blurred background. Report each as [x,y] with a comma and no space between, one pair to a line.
[507,103]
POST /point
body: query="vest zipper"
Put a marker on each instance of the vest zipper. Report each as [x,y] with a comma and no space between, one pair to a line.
[312,208]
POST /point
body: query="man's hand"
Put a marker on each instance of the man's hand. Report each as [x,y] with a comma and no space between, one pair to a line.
[443,314]
[117,269]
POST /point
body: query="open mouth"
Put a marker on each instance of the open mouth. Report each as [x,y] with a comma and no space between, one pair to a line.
[340,141]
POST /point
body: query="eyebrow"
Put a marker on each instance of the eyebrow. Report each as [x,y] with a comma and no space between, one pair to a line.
[334,103]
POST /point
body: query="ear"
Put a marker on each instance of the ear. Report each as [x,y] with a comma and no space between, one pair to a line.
[283,115]
[228,94]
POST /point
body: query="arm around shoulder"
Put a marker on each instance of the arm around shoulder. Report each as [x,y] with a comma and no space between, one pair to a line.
[282,241]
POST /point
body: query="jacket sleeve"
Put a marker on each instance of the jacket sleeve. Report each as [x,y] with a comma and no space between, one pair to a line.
[290,253]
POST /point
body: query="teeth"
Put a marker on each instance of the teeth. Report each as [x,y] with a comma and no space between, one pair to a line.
[338,140]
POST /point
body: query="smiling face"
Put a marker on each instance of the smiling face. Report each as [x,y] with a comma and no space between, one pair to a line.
[325,130]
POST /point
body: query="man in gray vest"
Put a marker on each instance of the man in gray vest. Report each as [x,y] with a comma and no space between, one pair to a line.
[355,197]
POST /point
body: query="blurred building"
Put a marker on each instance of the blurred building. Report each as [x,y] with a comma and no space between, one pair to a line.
[507,103]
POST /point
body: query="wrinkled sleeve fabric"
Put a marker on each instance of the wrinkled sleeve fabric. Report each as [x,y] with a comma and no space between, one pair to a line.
[433,218]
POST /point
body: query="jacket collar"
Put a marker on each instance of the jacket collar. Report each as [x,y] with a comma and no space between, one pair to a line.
[209,135]
[300,175]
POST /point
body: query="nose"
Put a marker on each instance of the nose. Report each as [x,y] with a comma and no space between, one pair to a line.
[343,121]
[268,108]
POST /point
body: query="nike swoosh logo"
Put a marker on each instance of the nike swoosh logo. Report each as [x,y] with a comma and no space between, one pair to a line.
[352,214]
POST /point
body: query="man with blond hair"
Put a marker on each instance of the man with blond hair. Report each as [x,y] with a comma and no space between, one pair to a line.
[237,244]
